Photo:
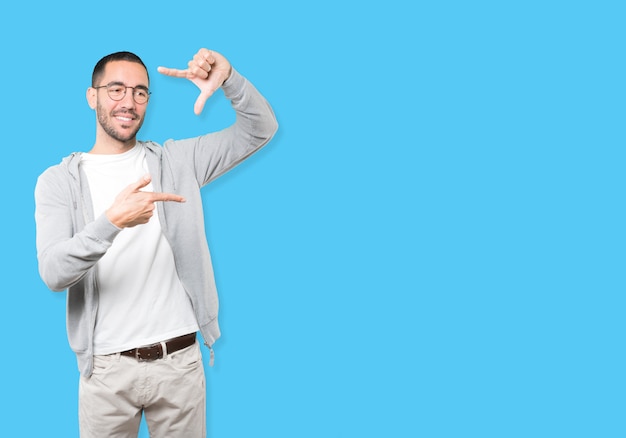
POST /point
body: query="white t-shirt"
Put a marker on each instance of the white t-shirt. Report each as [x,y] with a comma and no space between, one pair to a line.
[141,299]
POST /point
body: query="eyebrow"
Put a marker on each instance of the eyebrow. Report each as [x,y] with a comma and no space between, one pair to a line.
[142,87]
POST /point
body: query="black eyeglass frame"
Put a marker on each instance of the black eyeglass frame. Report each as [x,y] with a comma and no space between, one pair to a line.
[117,84]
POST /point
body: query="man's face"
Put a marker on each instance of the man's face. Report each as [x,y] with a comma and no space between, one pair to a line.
[121,119]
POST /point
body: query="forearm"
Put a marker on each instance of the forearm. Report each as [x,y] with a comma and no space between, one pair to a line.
[64,255]
[215,153]
[255,122]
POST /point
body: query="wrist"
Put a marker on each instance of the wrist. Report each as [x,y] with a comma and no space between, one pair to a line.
[230,72]
[113,220]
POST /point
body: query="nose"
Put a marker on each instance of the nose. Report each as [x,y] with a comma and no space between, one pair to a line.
[128,101]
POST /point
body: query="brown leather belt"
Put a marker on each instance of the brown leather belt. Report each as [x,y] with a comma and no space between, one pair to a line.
[155,351]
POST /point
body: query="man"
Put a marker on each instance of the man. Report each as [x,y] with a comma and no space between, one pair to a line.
[121,228]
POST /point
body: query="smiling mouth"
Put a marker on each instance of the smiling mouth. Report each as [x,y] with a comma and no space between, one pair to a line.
[125,117]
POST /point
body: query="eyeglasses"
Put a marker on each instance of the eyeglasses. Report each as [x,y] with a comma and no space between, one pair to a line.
[118,91]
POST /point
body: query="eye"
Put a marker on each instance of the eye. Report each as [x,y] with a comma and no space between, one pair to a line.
[141,93]
[116,89]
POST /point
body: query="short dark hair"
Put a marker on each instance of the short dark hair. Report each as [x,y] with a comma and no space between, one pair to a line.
[98,70]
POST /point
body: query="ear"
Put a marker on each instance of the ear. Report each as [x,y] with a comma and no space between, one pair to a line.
[92,97]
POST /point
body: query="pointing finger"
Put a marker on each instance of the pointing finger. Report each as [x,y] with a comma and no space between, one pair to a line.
[175,72]
[157,196]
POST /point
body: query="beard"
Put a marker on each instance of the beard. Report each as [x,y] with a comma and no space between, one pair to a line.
[104,119]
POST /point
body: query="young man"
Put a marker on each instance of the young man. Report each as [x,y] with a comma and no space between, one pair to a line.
[121,228]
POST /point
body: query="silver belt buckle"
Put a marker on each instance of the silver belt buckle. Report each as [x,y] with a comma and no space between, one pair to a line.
[150,349]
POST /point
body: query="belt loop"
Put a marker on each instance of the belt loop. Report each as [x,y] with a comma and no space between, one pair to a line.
[164,346]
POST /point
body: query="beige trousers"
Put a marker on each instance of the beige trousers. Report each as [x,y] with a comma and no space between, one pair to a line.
[170,392]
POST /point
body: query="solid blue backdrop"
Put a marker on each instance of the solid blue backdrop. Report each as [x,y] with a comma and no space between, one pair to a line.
[431,246]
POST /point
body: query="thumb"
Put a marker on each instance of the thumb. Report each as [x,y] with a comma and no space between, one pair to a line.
[143,181]
[200,101]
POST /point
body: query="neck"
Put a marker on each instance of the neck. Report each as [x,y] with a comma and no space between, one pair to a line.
[111,146]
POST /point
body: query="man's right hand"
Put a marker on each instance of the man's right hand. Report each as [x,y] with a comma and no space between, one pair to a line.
[134,207]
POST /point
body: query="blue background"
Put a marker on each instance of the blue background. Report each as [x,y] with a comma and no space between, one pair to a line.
[431,246]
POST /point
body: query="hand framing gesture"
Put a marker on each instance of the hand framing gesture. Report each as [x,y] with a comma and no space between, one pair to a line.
[207,70]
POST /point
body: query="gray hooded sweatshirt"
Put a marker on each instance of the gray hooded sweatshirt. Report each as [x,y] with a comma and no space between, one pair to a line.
[70,241]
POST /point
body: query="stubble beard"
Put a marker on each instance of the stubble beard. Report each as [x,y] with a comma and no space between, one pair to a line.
[104,119]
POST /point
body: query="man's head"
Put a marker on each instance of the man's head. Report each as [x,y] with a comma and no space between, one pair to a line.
[98,70]
[119,94]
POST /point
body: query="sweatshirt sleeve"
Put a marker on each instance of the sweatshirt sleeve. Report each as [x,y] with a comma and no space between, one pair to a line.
[213,154]
[65,257]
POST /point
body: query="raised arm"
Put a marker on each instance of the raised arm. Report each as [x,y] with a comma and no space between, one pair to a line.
[213,154]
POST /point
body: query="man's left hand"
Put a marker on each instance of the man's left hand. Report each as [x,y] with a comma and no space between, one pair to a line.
[208,70]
